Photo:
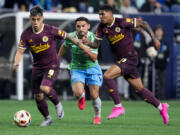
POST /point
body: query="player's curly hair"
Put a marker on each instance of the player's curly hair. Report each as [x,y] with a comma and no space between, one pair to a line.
[82,19]
[106,8]
[36,11]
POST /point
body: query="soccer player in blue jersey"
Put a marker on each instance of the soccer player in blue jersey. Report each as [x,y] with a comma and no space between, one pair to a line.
[84,67]
[40,39]
[118,33]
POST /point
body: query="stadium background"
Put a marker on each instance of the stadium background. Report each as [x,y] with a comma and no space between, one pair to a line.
[8,41]
[140,117]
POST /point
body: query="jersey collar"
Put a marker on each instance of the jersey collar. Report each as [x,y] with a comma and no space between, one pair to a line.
[39,30]
[112,23]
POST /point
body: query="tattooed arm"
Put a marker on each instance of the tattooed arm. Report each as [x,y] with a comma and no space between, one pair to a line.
[94,44]
[147,28]
[73,40]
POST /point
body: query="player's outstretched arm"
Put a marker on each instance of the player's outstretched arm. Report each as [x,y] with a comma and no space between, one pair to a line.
[62,50]
[147,28]
[18,58]
[94,44]
[73,40]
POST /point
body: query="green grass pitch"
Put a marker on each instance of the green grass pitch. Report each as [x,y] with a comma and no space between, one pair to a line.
[140,119]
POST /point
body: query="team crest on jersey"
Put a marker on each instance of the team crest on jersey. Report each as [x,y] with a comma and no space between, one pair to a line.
[117,29]
[45,39]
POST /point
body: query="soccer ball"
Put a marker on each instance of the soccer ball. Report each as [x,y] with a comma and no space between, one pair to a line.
[22,118]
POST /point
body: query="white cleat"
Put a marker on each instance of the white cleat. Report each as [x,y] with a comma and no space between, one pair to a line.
[47,121]
[59,111]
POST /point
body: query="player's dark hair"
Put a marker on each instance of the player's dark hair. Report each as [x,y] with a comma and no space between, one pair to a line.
[106,8]
[36,11]
[82,19]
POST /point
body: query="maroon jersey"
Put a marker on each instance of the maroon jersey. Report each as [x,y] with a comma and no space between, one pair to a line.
[42,45]
[119,36]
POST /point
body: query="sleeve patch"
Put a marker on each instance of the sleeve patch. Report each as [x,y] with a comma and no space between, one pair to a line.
[128,20]
[59,32]
[20,43]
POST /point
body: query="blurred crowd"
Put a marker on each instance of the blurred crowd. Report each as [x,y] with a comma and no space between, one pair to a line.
[91,6]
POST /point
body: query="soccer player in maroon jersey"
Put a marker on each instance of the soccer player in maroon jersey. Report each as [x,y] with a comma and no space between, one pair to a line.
[40,39]
[118,33]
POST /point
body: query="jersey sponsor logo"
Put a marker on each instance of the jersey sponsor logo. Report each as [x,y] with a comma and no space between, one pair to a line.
[116,38]
[45,39]
[117,29]
[40,48]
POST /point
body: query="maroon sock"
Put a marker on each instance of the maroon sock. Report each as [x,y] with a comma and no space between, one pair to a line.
[53,96]
[113,91]
[147,96]
[42,107]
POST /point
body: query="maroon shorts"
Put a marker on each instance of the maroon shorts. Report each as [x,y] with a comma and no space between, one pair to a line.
[129,67]
[45,77]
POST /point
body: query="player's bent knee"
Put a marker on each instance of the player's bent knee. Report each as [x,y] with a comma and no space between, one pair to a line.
[45,89]
[94,95]
[139,88]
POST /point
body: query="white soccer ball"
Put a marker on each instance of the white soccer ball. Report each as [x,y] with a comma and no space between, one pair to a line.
[151,52]
[22,118]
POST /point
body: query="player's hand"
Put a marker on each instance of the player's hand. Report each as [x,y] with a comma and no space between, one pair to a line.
[85,40]
[15,67]
[157,44]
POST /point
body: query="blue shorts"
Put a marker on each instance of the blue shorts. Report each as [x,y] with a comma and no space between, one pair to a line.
[92,76]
